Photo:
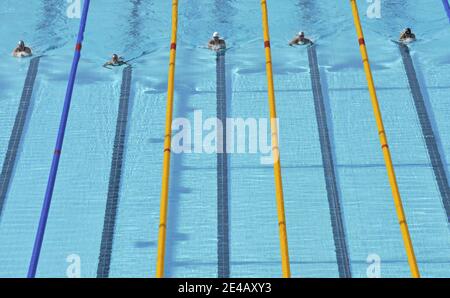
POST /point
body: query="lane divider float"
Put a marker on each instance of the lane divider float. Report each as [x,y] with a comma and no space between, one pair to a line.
[285,263]
[385,147]
[167,145]
[447,8]
[59,143]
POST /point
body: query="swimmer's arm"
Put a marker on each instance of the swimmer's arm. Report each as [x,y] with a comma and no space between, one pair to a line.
[107,64]
[293,42]
[123,62]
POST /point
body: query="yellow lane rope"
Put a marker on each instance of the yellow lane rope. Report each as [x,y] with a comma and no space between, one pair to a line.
[385,147]
[167,147]
[275,149]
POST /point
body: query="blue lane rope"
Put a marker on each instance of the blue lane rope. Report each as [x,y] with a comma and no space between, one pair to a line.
[112,201]
[59,143]
[447,8]
[427,129]
[337,221]
[16,134]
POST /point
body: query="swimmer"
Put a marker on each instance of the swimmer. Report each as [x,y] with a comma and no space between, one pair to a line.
[300,39]
[115,61]
[21,50]
[407,35]
[216,43]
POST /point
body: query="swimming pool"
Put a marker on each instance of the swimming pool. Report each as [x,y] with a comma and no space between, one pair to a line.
[76,218]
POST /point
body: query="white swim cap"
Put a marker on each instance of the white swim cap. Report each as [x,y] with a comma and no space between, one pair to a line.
[216,34]
[301,33]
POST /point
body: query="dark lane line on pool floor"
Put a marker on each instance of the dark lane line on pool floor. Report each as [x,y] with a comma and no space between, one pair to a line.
[104,260]
[427,129]
[16,134]
[329,168]
[223,248]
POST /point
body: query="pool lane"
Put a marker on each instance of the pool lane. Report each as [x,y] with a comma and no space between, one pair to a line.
[13,71]
[436,89]
[81,189]
[310,233]
[427,129]
[18,215]
[17,132]
[83,173]
[192,220]
[21,214]
[87,153]
[367,198]
[420,193]
[136,232]
[426,206]
[254,236]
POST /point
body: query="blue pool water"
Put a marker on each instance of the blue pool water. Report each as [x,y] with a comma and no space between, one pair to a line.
[77,212]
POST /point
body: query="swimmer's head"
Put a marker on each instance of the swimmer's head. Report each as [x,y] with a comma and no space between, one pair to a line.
[408,30]
[21,44]
[115,57]
[216,35]
[301,34]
